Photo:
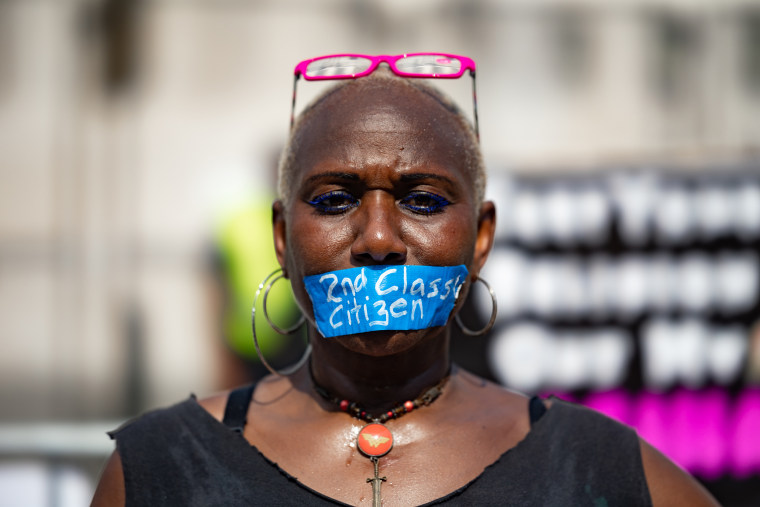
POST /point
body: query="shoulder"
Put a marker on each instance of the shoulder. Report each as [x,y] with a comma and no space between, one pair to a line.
[486,417]
[668,484]
[589,435]
[110,490]
[215,404]
[474,396]
[152,424]
[143,432]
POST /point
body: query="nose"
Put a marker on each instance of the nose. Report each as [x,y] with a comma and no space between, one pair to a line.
[378,239]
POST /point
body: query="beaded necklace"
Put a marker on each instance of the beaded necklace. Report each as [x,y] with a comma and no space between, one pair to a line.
[375,440]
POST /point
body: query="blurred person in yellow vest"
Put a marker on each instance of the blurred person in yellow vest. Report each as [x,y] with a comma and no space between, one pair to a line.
[243,256]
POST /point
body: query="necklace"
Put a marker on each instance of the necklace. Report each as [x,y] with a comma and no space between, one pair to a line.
[375,440]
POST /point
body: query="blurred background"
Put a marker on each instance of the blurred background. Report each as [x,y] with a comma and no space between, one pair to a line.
[138,140]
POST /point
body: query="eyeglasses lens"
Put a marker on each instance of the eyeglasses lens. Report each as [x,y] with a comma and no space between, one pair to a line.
[439,65]
[337,66]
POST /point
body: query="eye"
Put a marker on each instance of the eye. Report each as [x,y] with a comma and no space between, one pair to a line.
[334,203]
[424,202]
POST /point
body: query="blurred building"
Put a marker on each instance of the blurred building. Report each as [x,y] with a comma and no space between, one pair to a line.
[127,128]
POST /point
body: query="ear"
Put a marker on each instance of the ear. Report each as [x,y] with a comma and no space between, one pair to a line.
[484,238]
[279,229]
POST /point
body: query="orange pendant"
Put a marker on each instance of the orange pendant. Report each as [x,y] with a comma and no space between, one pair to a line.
[374,440]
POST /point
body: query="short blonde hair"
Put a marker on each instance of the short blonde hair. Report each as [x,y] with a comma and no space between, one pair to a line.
[473,156]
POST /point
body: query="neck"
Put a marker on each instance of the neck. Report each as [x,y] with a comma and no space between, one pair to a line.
[350,368]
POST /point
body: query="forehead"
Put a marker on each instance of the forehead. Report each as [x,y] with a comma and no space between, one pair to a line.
[382,123]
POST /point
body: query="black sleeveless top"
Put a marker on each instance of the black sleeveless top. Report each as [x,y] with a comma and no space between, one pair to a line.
[181,455]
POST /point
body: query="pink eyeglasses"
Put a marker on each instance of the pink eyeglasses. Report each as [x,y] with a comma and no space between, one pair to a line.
[351,66]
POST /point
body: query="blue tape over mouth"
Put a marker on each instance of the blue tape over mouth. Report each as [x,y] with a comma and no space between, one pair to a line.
[381,298]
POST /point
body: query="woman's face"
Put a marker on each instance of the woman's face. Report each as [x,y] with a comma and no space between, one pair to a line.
[380,179]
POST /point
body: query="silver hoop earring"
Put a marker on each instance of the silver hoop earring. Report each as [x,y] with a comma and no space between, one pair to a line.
[266,285]
[272,279]
[470,332]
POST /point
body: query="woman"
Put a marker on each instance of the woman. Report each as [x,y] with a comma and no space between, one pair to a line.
[383,177]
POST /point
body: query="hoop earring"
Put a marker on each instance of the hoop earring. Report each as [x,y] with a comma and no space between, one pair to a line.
[470,332]
[269,285]
[268,282]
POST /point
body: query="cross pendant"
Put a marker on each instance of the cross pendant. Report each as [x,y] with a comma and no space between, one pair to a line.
[376,481]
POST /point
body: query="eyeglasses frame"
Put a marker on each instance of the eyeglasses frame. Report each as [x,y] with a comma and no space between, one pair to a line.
[467,64]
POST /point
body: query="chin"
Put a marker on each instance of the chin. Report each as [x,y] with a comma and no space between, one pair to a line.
[386,343]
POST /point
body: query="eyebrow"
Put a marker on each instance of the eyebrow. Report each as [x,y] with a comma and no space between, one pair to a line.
[333,174]
[425,176]
[405,178]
